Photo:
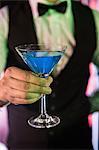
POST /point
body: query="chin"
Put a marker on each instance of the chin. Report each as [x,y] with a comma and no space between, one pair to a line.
[52,1]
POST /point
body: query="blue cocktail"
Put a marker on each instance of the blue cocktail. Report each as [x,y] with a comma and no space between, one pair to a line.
[41,61]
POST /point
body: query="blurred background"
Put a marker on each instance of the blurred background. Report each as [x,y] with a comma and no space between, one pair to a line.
[92,85]
[94,4]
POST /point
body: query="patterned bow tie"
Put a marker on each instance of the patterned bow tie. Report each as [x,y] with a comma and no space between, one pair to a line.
[43,8]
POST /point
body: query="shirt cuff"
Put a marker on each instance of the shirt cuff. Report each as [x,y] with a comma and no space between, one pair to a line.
[2,103]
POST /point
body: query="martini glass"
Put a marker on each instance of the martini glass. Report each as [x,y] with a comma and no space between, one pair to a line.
[41,60]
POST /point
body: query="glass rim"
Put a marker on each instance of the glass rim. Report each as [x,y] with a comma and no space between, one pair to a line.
[24,47]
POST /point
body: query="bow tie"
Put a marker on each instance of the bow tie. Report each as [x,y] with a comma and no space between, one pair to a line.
[43,8]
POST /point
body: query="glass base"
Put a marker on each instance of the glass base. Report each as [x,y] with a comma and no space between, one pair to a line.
[44,121]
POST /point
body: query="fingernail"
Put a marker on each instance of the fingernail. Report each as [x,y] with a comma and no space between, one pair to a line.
[7,72]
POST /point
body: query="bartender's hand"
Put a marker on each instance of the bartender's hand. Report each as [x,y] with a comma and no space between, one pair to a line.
[22,87]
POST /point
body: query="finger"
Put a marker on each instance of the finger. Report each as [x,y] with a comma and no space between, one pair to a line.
[23,95]
[28,76]
[23,101]
[27,87]
[16,97]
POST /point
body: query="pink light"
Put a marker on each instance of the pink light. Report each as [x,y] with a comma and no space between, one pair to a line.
[92,4]
[90,120]
[3,125]
[93,80]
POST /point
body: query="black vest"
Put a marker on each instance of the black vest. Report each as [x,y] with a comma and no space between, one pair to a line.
[68,98]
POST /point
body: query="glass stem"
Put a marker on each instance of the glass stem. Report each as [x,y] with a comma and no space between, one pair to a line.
[43,105]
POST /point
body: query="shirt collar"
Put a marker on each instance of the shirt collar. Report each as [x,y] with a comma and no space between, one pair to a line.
[33,4]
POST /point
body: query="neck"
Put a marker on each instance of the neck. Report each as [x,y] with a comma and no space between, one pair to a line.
[51,1]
